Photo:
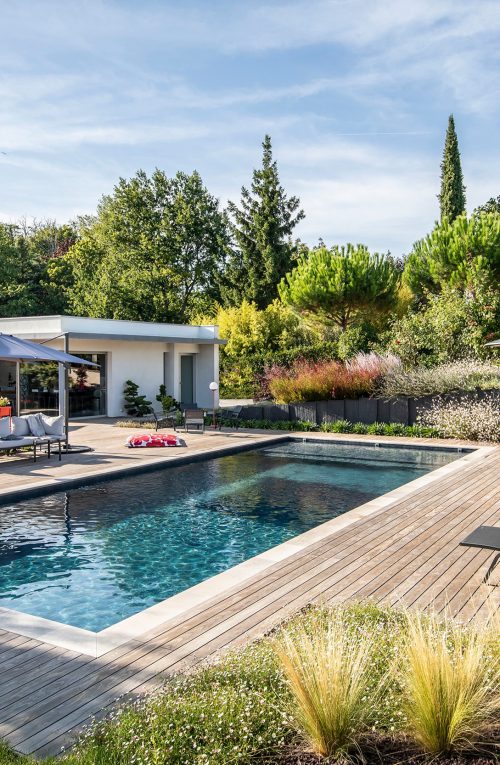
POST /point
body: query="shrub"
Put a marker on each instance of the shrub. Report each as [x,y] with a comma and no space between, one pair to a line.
[443,378]
[475,420]
[451,684]
[329,670]
[136,405]
[447,327]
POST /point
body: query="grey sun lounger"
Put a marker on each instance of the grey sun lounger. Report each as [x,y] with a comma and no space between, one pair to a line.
[486,538]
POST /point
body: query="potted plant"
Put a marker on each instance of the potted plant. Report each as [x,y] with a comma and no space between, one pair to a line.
[5,407]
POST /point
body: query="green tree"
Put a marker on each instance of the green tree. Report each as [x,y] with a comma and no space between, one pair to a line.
[491,206]
[154,253]
[342,286]
[452,196]
[27,252]
[455,253]
[262,227]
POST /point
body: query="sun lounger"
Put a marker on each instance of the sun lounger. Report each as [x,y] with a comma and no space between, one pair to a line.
[486,538]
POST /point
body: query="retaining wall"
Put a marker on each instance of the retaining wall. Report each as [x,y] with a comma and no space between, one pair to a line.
[367,410]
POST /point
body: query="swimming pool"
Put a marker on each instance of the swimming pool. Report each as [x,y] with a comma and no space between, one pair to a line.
[92,556]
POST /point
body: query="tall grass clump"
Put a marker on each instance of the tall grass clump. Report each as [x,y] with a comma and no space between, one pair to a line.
[322,380]
[476,419]
[329,670]
[443,378]
[451,684]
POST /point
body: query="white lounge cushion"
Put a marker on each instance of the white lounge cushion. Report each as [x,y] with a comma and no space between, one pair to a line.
[35,424]
[53,426]
[20,426]
[17,443]
[4,426]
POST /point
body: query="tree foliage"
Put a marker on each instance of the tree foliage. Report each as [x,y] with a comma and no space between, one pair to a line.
[451,326]
[455,253]
[154,252]
[341,286]
[491,206]
[262,227]
[27,252]
[452,196]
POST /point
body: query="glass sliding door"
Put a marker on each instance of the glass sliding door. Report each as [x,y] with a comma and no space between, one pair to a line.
[87,387]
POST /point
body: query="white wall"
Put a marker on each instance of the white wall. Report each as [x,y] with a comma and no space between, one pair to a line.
[144,363]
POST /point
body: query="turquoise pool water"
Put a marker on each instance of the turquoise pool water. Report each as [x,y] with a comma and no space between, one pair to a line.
[92,556]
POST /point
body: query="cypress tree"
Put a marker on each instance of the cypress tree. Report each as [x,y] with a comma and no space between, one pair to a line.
[262,228]
[452,196]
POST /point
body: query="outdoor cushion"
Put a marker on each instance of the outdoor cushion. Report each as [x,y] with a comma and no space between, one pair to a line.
[20,426]
[53,426]
[4,427]
[15,443]
[155,440]
[35,425]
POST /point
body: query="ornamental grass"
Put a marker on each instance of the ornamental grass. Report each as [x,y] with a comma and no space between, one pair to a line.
[451,684]
[323,380]
[329,670]
[467,375]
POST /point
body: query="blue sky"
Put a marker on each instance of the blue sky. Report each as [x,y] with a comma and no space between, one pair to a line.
[355,94]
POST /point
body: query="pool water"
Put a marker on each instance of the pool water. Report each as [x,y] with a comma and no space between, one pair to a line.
[92,556]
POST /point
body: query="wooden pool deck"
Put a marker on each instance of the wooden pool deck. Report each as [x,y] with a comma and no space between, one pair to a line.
[405,552]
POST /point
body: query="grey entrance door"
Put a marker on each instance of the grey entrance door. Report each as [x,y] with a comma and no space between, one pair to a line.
[187,381]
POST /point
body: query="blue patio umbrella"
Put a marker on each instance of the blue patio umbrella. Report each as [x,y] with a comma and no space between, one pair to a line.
[17,350]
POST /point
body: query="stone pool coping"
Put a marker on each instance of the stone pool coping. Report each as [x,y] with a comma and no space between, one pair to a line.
[96,644]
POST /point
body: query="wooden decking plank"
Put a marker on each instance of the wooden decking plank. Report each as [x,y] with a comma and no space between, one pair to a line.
[415,570]
[17,697]
[442,570]
[359,580]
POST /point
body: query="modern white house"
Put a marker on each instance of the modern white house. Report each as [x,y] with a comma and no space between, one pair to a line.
[182,357]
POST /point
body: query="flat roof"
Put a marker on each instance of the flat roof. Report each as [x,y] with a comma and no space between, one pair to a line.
[47,327]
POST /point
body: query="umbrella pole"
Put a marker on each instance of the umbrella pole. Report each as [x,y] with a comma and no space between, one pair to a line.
[66,391]
[18,388]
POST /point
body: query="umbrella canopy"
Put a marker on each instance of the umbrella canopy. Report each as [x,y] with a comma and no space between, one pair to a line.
[14,349]
[494,343]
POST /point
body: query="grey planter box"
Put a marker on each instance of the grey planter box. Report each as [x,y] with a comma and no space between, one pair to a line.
[306,411]
[329,411]
[403,409]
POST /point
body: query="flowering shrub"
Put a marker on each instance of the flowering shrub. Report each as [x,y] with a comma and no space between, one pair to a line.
[229,712]
[323,380]
[475,420]
[443,378]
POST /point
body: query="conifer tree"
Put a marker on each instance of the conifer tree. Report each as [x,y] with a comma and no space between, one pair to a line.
[452,196]
[262,228]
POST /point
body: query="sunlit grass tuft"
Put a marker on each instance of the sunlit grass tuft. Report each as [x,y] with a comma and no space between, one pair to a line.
[451,683]
[329,669]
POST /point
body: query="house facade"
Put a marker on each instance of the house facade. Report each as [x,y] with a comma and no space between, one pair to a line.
[182,357]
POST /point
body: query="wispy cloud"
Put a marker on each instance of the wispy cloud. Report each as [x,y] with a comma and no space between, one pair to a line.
[355,94]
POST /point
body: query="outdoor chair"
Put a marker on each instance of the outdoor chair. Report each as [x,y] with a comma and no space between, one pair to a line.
[162,419]
[195,417]
[486,538]
[230,416]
